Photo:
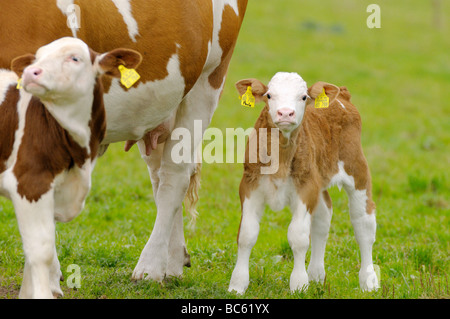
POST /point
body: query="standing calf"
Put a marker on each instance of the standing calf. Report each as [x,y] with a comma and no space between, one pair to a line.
[318,148]
[50,132]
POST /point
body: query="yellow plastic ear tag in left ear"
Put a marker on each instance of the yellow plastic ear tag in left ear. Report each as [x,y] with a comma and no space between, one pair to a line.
[128,76]
[19,84]
[247,99]
[322,101]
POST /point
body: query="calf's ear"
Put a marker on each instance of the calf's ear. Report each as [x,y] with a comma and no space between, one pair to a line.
[258,88]
[108,63]
[331,90]
[20,63]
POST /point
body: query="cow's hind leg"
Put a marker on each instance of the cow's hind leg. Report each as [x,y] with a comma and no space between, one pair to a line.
[177,246]
[193,117]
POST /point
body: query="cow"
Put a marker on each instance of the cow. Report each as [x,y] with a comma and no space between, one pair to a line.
[52,124]
[186,46]
[317,134]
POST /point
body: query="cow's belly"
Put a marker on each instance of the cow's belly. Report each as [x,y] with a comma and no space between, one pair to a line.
[132,113]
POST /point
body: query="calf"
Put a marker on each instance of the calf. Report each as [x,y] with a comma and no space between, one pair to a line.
[318,148]
[50,132]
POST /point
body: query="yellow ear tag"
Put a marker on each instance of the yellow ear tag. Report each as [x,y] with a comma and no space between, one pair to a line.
[19,84]
[247,98]
[128,76]
[322,101]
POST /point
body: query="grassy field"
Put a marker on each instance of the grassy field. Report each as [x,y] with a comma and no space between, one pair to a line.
[399,77]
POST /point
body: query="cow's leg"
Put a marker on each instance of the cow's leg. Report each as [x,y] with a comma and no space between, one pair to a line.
[37,228]
[252,210]
[320,227]
[175,249]
[364,224]
[193,117]
[298,237]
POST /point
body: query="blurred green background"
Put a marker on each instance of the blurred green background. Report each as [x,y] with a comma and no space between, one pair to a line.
[399,78]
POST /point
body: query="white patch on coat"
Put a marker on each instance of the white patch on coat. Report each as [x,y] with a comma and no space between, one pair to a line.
[7,78]
[132,113]
[341,178]
[124,8]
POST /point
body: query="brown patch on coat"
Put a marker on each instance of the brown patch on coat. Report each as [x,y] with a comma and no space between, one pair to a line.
[310,157]
[47,149]
[9,123]
[231,24]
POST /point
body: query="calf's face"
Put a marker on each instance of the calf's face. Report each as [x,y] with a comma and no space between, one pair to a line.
[285,95]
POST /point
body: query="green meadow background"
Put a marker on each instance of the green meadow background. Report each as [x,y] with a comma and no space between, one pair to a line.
[399,77]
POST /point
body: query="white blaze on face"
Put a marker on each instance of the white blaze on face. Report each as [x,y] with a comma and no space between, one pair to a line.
[287,99]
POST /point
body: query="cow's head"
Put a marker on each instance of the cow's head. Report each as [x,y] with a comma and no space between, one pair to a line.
[285,96]
[67,68]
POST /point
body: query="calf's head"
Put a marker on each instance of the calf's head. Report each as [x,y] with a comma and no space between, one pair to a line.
[285,95]
[67,68]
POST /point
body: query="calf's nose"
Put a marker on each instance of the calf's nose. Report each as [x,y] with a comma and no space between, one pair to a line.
[32,73]
[285,114]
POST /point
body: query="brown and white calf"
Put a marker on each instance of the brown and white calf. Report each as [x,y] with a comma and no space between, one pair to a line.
[50,133]
[318,148]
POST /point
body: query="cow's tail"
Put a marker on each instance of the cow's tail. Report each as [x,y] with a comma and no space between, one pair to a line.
[191,198]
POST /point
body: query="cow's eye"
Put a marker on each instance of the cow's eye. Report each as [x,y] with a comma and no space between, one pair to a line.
[269,96]
[74,58]
[304,97]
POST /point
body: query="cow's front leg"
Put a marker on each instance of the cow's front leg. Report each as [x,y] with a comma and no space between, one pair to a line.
[37,228]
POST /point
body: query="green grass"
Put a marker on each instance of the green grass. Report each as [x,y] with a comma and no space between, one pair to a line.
[399,77]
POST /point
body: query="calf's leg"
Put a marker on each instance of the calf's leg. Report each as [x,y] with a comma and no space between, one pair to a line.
[298,237]
[37,229]
[252,210]
[364,225]
[320,227]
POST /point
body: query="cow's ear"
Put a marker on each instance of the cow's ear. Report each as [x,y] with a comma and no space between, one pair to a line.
[259,89]
[108,63]
[331,90]
[20,63]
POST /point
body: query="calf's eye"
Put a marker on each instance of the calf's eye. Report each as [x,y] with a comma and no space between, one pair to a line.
[269,96]
[74,58]
[304,97]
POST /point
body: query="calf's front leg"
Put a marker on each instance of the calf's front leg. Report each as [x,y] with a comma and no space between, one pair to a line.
[37,229]
[252,209]
[298,237]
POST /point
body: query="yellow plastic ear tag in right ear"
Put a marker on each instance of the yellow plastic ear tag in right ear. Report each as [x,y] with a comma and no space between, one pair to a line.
[128,76]
[322,101]
[19,84]
[247,99]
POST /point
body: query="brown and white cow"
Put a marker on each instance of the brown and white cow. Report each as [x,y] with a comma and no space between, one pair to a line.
[314,149]
[186,46]
[50,133]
